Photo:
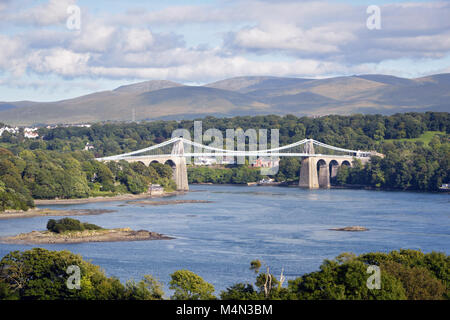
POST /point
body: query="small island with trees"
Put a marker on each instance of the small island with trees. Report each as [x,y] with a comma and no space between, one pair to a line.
[68,230]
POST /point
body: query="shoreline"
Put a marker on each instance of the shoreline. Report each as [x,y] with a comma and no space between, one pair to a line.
[344,187]
[120,197]
[45,212]
[105,235]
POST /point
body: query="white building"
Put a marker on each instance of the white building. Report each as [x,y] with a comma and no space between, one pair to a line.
[30,133]
[8,129]
[88,147]
[204,161]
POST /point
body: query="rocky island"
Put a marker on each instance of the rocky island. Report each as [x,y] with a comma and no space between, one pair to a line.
[167,202]
[351,229]
[73,231]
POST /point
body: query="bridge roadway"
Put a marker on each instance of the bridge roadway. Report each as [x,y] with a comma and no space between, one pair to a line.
[315,172]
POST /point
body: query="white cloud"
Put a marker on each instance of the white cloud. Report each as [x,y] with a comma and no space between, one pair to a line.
[49,13]
[136,40]
[59,61]
[313,39]
[94,36]
[284,36]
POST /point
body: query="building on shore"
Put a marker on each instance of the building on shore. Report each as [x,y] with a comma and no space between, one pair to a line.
[266,162]
[155,189]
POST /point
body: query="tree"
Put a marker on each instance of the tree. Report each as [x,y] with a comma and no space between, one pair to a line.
[189,286]
[240,291]
[147,289]
[344,281]
[418,282]
[255,265]
[289,169]
[42,274]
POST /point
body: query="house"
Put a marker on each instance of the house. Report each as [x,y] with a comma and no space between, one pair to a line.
[266,162]
[228,160]
[155,189]
[204,161]
[266,181]
[30,133]
[88,147]
[8,129]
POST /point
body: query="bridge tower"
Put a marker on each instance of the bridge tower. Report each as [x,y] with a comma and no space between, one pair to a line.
[308,170]
[180,170]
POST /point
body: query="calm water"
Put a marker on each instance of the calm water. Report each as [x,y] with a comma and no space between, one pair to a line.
[285,227]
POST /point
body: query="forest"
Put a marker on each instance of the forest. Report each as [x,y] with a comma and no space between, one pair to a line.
[55,165]
[42,174]
[364,132]
[40,274]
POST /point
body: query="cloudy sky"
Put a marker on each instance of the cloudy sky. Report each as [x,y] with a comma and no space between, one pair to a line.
[44,56]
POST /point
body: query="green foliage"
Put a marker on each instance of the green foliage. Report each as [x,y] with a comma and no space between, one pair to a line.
[289,169]
[344,281]
[406,166]
[69,224]
[416,147]
[189,286]
[255,265]
[40,274]
[240,291]
[234,175]
[147,289]
[405,274]
[47,175]
[436,263]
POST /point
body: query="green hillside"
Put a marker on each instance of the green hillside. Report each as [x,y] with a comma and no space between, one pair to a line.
[425,137]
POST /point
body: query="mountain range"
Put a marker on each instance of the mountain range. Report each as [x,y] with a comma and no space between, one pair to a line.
[161,99]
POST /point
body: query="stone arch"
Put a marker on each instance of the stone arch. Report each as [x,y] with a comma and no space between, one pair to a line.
[346,163]
[171,163]
[140,162]
[333,168]
[323,173]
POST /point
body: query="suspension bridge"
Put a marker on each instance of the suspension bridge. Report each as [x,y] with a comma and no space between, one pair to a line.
[319,161]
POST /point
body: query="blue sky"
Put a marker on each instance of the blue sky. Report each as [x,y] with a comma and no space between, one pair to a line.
[196,42]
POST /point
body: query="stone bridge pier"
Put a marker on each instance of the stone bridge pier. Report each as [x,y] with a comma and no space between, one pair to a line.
[178,164]
[316,171]
[176,160]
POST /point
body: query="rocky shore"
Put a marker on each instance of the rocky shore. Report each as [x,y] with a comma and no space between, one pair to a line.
[162,203]
[122,197]
[104,235]
[39,212]
[351,228]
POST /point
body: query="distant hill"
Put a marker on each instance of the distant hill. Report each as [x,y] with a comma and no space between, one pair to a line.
[162,99]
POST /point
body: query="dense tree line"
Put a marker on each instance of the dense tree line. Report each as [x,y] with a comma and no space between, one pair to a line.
[406,166]
[405,274]
[411,166]
[40,174]
[354,132]
[69,224]
[226,175]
